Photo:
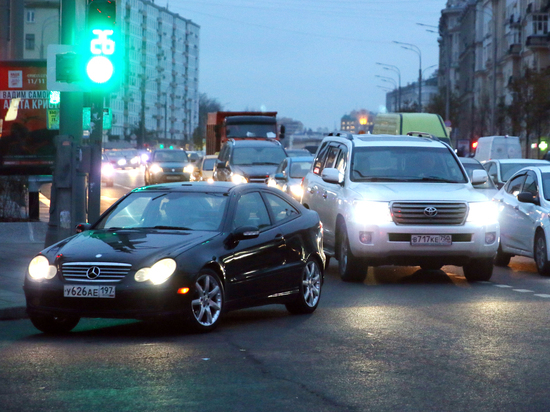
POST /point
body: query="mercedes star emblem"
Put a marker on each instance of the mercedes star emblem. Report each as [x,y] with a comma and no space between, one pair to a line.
[93,272]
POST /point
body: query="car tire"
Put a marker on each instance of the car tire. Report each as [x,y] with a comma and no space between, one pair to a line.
[54,324]
[310,289]
[502,259]
[478,270]
[349,267]
[207,302]
[541,254]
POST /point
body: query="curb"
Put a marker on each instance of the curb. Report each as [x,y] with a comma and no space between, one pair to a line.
[15,313]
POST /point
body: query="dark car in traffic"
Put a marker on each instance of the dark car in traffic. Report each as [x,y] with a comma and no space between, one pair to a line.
[168,165]
[184,251]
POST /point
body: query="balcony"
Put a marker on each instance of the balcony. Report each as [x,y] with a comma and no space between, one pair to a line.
[514,49]
[537,41]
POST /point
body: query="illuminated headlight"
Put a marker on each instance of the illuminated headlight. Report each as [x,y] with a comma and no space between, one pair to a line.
[107,169]
[235,178]
[367,212]
[296,190]
[272,183]
[135,160]
[121,162]
[158,273]
[483,212]
[189,169]
[40,268]
[144,157]
[156,169]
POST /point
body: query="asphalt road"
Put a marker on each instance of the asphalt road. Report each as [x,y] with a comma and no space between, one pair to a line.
[405,340]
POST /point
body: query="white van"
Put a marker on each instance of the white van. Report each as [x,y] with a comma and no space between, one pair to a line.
[498,147]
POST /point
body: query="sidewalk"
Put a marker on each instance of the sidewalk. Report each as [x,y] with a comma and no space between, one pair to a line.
[19,243]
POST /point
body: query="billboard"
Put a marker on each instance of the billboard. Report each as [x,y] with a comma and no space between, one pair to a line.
[26,144]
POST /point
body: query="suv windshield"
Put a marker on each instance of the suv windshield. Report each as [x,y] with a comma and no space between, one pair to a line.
[170,156]
[250,156]
[252,130]
[405,164]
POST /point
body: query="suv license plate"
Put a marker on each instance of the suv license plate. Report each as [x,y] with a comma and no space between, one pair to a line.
[76,291]
[435,240]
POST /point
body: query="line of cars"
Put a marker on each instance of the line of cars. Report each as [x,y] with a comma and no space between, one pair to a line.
[192,251]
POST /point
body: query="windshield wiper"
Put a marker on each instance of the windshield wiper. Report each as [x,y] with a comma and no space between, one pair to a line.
[435,179]
[382,179]
[264,163]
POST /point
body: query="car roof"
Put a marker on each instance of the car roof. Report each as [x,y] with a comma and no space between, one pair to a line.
[470,160]
[363,140]
[533,161]
[213,187]
[254,142]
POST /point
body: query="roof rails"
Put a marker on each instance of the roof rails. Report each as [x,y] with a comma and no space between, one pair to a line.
[422,134]
[346,135]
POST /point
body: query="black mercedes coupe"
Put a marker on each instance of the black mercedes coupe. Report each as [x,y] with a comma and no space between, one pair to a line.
[188,252]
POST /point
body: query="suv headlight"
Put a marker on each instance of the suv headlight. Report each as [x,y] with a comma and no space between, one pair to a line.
[156,169]
[368,212]
[483,212]
[189,169]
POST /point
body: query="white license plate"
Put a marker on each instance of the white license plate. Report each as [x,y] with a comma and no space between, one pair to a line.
[173,177]
[436,240]
[78,291]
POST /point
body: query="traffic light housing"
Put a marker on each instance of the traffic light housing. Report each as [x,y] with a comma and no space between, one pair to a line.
[102,63]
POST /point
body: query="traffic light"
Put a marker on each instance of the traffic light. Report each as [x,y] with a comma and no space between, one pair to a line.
[102,54]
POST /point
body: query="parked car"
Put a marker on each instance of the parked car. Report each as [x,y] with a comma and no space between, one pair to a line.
[524,205]
[248,161]
[186,252]
[400,200]
[107,171]
[298,152]
[500,170]
[206,168]
[488,188]
[167,165]
[288,176]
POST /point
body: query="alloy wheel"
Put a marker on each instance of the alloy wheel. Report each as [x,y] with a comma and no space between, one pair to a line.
[207,302]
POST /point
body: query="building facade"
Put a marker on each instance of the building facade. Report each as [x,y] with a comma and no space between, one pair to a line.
[158,100]
[357,121]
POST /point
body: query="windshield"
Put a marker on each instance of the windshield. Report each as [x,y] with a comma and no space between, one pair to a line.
[405,164]
[299,169]
[508,169]
[470,167]
[251,130]
[167,210]
[251,156]
[170,156]
[209,164]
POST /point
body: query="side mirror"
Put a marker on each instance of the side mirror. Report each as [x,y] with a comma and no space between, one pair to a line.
[332,175]
[82,227]
[479,177]
[526,197]
[242,233]
[280,176]
[220,165]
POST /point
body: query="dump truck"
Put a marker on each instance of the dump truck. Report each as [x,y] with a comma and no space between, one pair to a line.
[221,126]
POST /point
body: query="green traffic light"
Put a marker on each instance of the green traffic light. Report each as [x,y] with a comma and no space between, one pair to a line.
[99,69]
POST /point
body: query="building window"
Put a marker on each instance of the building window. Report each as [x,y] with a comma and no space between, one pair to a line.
[30,16]
[540,24]
[29,41]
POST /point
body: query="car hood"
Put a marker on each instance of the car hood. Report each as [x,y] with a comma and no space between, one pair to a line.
[417,192]
[256,170]
[143,246]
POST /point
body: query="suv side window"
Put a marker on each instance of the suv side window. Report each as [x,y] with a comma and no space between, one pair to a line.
[320,159]
[513,187]
[332,156]
[342,160]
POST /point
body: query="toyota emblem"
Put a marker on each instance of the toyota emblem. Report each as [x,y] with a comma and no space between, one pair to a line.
[430,211]
[93,272]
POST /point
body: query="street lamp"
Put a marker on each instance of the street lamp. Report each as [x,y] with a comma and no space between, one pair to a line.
[395,69]
[416,49]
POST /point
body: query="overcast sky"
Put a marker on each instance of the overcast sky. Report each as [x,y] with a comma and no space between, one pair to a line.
[311,60]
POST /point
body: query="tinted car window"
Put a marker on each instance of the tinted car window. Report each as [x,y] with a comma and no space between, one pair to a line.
[531,184]
[251,211]
[282,210]
[514,186]
[508,169]
[546,185]
[170,156]
[258,155]
[299,169]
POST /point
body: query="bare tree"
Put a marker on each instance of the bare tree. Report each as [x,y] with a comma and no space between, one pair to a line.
[206,105]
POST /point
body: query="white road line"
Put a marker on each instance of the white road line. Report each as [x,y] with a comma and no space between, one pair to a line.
[542,295]
[523,290]
[503,286]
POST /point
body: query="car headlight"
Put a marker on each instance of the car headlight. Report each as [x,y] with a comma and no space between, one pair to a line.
[156,169]
[483,212]
[296,190]
[158,273]
[189,169]
[368,212]
[107,169]
[236,178]
[121,162]
[40,268]
[135,160]
[144,157]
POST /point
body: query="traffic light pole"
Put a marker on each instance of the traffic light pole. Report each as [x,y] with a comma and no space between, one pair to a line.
[96,141]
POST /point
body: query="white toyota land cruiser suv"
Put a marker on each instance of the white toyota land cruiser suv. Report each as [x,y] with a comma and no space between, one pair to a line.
[400,200]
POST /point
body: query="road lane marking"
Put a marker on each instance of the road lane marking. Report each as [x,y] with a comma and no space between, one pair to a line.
[542,295]
[503,286]
[523,290]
